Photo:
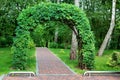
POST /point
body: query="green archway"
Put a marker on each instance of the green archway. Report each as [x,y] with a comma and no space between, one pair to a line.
[65,13]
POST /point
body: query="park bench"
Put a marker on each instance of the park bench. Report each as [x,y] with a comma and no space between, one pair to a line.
[102,73]
[22,73]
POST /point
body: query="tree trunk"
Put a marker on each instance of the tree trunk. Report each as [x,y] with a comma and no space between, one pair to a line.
[82,7]
[108,43]
[56,35]
[46,44]
[56,30]
[73,47]
[108,35]
[74,39]
[80,55]
[58,1]
[76,2]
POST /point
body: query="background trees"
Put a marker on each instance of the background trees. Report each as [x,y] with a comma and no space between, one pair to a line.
[9,11]
[109,33]
[98,12]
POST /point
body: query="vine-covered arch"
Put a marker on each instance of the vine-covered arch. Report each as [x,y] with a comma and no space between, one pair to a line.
[65,13]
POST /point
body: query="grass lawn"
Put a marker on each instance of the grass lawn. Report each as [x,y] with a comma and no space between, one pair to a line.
[100,62]
[6,60]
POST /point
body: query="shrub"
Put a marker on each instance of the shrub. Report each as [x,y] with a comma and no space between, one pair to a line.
[22,43]
[114,60]
[53,45]
[3,41]
[64,46]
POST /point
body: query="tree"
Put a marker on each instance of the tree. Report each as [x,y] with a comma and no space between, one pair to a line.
[108,35]
[58,1]
[115,39]
[74,39]
[98,12]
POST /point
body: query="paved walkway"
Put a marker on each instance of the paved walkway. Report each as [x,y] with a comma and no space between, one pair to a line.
[50,64]
[49,67]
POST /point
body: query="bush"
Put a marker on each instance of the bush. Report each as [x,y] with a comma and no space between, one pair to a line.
[53,45]
[22,43]
[3,41]
[58,45]
[114,60]
[64,46]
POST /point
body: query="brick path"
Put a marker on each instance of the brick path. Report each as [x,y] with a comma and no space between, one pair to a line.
[49,63]
[49,67]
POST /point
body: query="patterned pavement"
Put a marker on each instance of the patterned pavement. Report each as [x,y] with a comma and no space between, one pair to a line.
[50,64]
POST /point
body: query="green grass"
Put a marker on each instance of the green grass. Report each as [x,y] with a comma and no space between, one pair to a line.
[100,62]
[6,61]
[32,60]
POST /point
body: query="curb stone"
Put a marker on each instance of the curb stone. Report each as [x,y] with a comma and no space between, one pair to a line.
[1,77]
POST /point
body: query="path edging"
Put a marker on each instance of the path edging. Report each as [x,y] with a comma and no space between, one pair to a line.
[37,70]
[2,76]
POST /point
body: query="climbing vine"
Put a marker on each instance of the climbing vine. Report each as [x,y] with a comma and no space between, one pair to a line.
[65,13]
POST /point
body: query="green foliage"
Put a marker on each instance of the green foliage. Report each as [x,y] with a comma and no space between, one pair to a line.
[43,33]
[97,11]
[114,60]
[41,13]
[63,1]
[46,33]
[9,11]
[58,45]
[38,36]
[115,41]
[99,16]
[53,45]
[64,35]
[2,41]
[20,48]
